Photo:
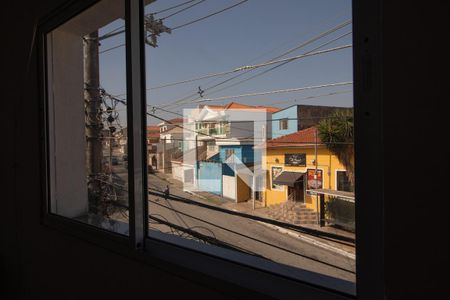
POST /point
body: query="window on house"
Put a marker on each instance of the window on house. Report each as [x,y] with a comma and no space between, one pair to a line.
[87,122]
[229,155]
[343,182]
[283,124]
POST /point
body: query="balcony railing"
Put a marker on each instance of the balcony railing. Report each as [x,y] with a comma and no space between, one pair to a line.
[225,130]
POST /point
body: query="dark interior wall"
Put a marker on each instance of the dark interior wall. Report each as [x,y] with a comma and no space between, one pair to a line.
[37,262]
[416,148]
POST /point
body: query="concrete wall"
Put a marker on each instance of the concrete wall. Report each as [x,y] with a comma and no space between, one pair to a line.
[210,177]
[67,143]
[177,171]
[290,113]
[242,129]
[310,115]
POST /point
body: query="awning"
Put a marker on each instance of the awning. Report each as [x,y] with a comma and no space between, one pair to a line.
[288,178]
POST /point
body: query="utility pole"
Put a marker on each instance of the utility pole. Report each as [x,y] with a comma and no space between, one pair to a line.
[111,137]
[94,125]
[315,175]
[253,189]
[164,155]
[196,159]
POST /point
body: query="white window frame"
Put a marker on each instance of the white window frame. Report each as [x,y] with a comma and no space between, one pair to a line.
[282,122]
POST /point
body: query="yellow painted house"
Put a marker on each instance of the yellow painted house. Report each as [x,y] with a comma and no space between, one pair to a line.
[299,162]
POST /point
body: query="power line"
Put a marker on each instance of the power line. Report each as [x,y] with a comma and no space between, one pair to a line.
[202,133]
[162,119]
[174,28]
[274,120]
[312,97]
[275,91]
[277,66]
[250,67]
[267,140]
[168,111]
[337,27]
[172,7]
[321,35]
[278,102]
[183,9]
[325,235]
[250,237]
[112,48]
[111,33]
[210,15]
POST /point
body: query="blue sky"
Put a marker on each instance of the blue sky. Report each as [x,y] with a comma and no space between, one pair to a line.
[253,32]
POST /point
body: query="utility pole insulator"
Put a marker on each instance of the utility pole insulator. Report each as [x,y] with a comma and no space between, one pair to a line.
[155,28]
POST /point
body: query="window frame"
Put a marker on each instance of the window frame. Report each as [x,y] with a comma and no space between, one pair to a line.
[337,171]
[284,123]
[214,271]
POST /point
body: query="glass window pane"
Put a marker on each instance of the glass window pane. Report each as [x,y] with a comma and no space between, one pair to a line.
[257,119]
[87,137]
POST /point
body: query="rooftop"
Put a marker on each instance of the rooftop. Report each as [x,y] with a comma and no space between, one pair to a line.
[305,137]
[173,121]
[152,131]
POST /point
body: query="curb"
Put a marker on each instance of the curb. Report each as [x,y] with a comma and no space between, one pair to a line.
[311,241]
[296,235]
[195,194]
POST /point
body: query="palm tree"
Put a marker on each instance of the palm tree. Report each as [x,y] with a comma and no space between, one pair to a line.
[336,132]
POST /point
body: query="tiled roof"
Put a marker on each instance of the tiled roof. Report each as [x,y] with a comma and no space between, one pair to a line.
[176,121]
[152,131]
[300,138]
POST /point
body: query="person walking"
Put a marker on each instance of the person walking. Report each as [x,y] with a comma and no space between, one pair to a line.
[166,192]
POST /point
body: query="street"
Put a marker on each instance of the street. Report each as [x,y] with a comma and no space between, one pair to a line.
[244,234]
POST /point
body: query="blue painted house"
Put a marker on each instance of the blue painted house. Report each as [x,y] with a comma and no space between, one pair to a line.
[243,152]
[298,117]
[217,177]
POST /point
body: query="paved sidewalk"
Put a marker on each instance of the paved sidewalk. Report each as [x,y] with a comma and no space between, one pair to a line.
[343,248]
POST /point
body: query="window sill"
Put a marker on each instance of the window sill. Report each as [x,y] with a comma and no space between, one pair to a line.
[188,259]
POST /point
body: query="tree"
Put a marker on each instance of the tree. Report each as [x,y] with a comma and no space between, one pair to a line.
[336,132]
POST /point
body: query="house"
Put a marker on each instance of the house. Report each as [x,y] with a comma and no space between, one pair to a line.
[229,133]
[171,133]
[152,145]
[232,121]
[297,117]
[301,170]
[170,144]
